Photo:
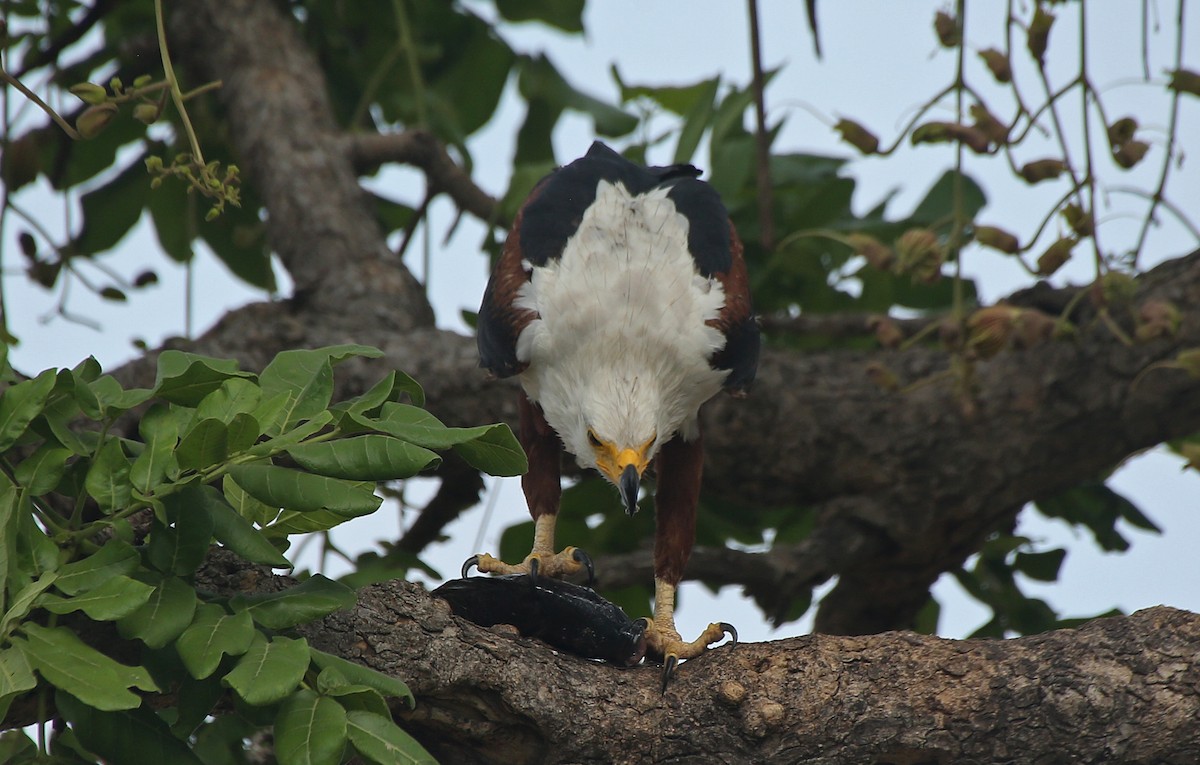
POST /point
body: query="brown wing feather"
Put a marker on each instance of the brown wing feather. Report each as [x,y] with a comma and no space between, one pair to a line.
[737,322]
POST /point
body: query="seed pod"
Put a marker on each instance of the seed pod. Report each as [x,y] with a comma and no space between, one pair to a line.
[1117,289]
[989,329]
[884,378]
[1039,34]
[1189,361]
[886,331]
[919,253]
[89,92]
[950,333]
[1185,81]
[146,113]
[94,119]
[1032,327]
[1121,131]
[1042,170]
[946,27]
[878,254]
[998,64]
[857,136]
[986,123]
[1157,318]
[931,132]
[1130,153]
[1082,223]
[998,239]
[1055,256]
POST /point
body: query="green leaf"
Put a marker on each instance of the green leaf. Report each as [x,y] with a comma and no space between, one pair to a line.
[353,697]
[939,202]
[66,662]
[310,730]
[382,741]
[20,403]
[169,211]
[419,427]
[16,676]
[204,445]
[496,452]
[696,120]
[235,396]
[567,15]
[360,675]
[24,599]
[211,635]
[110,211]
[1094,505]
[133,735]
[164,616]
[186,378]
[269,670]
[16,746]
[117,597]
[307,376]
[180,547]
[159,429]
[108,478]
[245,505]
[1042,566]
[312,599]
[295,490]
[115,558]
[541,81]
[112,399]
[41,471]
[239,535]
[364,458]
[286,438]
[291,522]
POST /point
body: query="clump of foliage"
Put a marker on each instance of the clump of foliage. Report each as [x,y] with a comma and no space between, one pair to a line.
[105,532]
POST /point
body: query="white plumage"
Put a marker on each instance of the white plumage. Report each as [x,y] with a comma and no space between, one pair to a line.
[621,345]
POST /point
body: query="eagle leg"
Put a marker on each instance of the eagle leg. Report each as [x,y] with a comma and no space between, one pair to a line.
[542,485]
[541,560]
[663,639]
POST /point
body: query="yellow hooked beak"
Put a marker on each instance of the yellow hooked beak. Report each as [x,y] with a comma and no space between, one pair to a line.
[622,466]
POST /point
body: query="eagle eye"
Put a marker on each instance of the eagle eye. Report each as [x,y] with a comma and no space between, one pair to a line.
[593,439]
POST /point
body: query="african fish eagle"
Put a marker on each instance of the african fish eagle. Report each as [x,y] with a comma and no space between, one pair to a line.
[621,301]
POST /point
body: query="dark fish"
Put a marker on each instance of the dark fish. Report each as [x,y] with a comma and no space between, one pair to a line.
[565,615]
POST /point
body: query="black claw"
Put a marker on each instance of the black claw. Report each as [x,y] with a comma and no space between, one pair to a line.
[670,662]
[472,561]
[731,631]
[533,572]
[581,557]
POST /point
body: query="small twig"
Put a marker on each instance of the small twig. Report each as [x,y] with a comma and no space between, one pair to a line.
[34,98]
[762,147]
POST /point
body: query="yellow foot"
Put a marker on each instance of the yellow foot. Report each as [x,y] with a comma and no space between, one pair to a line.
[666,642]
[568,562]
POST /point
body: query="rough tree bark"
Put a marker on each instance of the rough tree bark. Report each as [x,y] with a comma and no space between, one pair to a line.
[905,487]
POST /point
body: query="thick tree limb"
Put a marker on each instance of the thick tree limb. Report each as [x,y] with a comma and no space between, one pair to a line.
[1118,690]
[419,148]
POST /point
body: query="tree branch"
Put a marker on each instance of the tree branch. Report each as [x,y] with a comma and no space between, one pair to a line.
[419,148]
[487,696]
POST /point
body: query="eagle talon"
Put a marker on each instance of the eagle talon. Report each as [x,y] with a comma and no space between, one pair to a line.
[670,664]
[586,561]
[730,630]
[468,563]
[533,571]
